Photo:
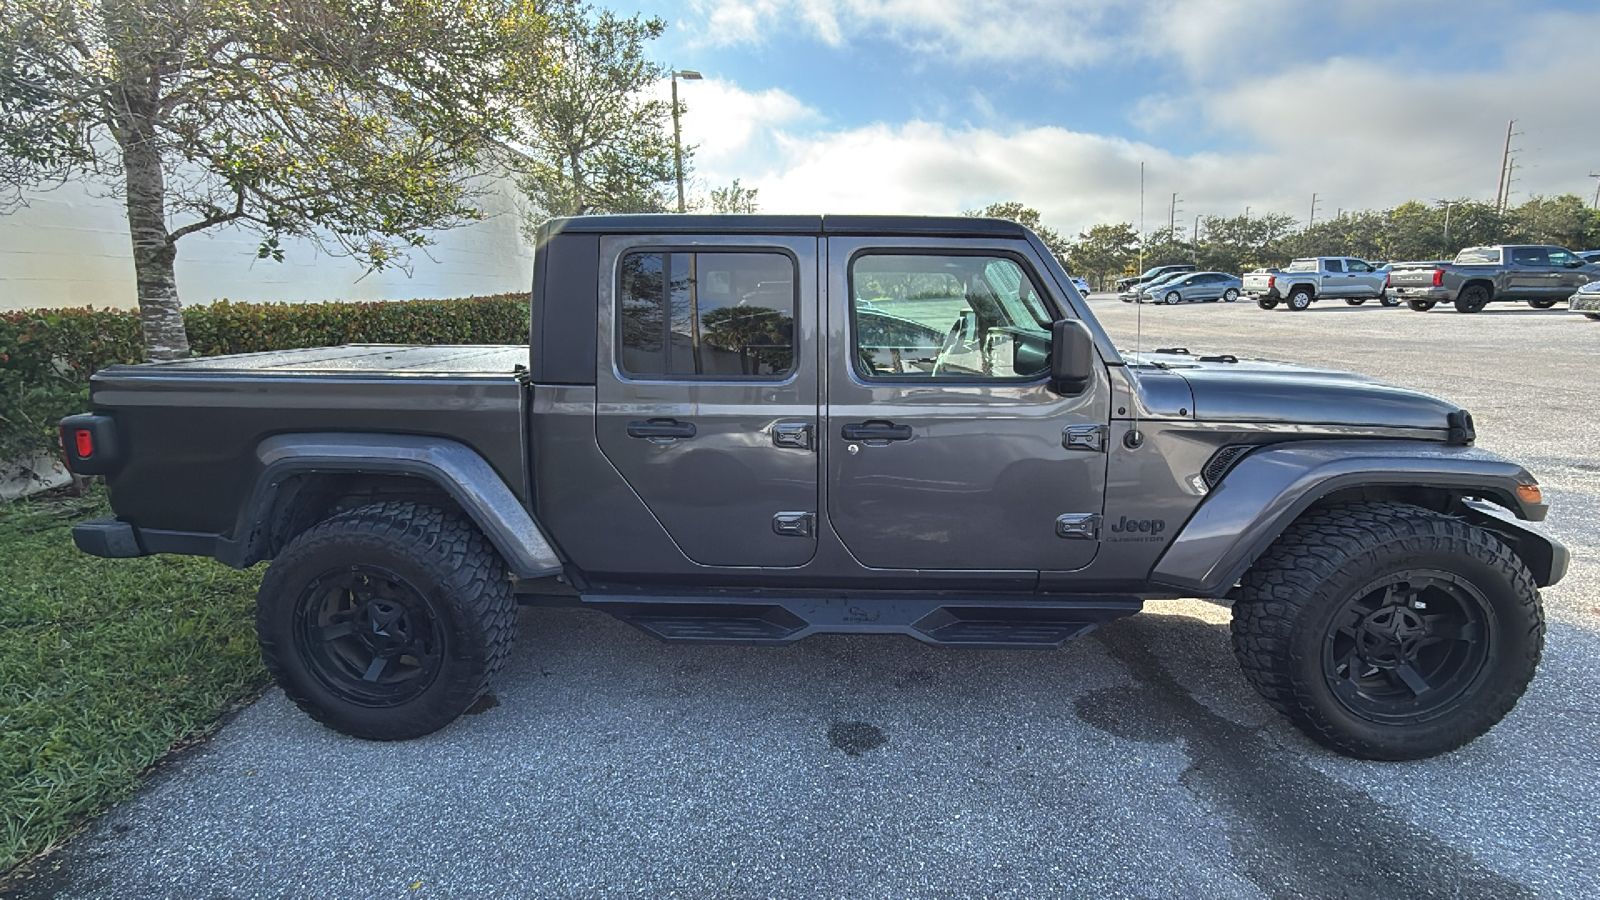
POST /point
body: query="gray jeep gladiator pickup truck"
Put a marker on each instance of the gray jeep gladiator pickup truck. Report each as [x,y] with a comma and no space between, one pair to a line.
[750,429]
[1540,276]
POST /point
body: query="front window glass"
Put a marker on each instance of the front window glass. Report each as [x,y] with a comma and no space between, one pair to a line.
[924,317]
[712,315]
[1560,257]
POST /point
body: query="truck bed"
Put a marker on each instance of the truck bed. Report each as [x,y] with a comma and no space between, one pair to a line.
[363,359]
[189,428]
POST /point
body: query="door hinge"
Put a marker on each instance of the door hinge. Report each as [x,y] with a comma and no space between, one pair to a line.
[794,524]
[793,435]
[1078,526]
[1084,437]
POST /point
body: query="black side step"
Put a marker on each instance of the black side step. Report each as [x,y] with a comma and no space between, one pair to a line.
[950,620]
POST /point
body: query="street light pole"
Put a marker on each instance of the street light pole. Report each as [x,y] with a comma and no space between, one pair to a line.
[677,133]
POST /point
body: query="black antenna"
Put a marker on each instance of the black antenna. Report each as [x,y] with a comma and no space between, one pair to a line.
[1133,438]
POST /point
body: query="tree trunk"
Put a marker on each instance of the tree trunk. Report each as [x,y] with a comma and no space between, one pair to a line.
[160,312]
[136,125]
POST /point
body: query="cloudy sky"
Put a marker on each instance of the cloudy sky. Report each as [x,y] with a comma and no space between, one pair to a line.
[936,106]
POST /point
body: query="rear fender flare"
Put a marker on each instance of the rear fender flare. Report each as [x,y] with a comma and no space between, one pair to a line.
[1271,487]
[452,466]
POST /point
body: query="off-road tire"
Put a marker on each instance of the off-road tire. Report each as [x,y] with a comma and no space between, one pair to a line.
[1472,298]
[1267,302]
[1230,295]
[1595,316]
[1542,304]
[1388,300]
[1355,301]
[1421,305]
[1284,628]
[1299,300]
[455,596]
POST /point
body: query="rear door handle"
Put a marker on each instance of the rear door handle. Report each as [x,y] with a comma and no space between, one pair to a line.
[661,429]
[875,430]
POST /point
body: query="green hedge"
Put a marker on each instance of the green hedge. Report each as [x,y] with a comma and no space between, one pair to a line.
[47,356]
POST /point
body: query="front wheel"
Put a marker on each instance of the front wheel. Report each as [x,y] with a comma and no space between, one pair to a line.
[1420,305]
[1172,298]
[1356,301]
[1300,300]
[1230,295]
[1595,316]
[1542,304]
[386,622]
[1389,631]
[1267,302]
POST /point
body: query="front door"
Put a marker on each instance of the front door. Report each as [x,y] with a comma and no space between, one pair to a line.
[707,391]
[946,447]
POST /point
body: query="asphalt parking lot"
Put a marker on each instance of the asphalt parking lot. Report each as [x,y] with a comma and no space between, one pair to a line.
[1135,763]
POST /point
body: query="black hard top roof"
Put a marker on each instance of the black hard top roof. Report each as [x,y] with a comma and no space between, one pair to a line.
[667,223]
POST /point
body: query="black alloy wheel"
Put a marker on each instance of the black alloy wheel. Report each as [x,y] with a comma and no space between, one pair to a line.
[1473,298]
[1388,299]
[1405,647]
[369,636]
[1542,304]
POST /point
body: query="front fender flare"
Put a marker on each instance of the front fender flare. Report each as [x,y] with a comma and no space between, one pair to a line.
[1271,487]
[451,465]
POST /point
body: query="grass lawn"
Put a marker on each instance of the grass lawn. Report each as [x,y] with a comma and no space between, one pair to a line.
[105,666]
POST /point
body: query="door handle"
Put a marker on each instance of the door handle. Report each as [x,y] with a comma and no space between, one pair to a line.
[875,431]
[661,429]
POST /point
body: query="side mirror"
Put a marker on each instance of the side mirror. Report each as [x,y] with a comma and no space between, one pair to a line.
[1072,357]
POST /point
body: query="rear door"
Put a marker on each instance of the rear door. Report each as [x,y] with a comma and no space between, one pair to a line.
[707,390]
[1527,273]
[1335,283]
[946,447]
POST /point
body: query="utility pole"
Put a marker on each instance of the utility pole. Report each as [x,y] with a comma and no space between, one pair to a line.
[1312,219]
[677,136]
[1596,189]
[1197,240]
[1172,213]
[1505,155]
[1247,213]
[1511,167]
[1447,205]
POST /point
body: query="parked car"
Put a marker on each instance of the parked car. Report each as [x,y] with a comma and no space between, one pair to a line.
[1188,288]
[1135,291]
[963,456]
[1539,275]
[1305,281]
[1125,284]
[1082,284]
[1586,300]
[1589,256]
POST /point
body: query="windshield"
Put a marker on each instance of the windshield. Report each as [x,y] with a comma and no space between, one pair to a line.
[1479,256]
[1302,265]
[1165,279]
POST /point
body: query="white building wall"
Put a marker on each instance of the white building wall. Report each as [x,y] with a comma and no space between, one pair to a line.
[70,247]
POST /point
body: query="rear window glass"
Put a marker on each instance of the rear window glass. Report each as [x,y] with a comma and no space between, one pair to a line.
[706,315]
[1479,255]
[1302,265]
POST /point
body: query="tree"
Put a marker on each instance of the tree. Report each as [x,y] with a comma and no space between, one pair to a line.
[735,199]
[598,140]
[1028,217]
[1562,220]
[1104,252]
[353,123]
[1242,243]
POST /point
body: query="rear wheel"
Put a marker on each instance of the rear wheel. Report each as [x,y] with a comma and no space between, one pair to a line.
[1355,301]
[1388,631]
[1230,295]
[1542,304]
[386,622]
[1172,298]
[1473,298]
[1595,316]
[1420,305]
[1388,300]
[1300,300]
[1267,302]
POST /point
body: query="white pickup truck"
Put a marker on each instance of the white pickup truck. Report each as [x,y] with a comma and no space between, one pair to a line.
[1304,281]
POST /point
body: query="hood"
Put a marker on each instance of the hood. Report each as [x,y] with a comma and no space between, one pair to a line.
[1226,389]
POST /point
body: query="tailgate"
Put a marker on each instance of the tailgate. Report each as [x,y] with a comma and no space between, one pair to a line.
[1258,283]
[1413,277]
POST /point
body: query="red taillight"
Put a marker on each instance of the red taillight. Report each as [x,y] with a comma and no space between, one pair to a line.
[1271,282]
[1438,278]
[1387,277]
[84,442]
